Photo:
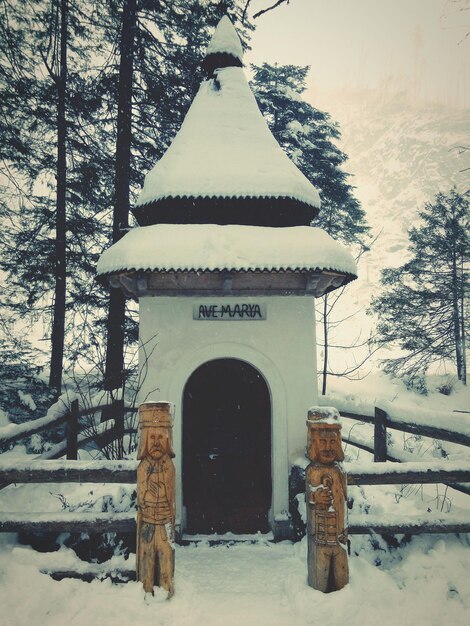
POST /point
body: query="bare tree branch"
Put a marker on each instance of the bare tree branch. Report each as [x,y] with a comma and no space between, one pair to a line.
[262,11]
[245,9]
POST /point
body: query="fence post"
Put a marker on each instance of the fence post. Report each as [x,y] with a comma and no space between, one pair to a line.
[380,435]
[72,431]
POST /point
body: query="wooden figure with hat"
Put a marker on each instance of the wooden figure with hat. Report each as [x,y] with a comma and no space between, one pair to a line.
[156,497]
[326,498]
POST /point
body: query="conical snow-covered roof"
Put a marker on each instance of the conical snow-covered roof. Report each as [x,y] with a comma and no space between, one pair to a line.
[224,166]
[224,49]
[225,40]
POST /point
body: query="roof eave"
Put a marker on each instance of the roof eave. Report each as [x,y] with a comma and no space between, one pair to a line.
[226,282]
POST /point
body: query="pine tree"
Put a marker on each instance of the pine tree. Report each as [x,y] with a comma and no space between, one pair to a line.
[169,44]
[308,136]
[424,304]
[29,85]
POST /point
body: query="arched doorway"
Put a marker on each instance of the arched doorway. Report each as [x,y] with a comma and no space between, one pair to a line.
[226,449]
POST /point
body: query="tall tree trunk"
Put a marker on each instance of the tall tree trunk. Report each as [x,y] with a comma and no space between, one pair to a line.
[325,344]
[462,323]
[456,316]
[114,368]
[58,324]
[325,322]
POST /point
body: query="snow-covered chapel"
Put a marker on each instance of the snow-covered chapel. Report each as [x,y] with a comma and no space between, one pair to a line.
[225,266]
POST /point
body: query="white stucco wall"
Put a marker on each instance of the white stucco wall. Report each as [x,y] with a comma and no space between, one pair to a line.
[282,348]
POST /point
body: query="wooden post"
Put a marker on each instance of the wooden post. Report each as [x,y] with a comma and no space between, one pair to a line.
[326,496]
[72,431]
[380,435]
[156,498]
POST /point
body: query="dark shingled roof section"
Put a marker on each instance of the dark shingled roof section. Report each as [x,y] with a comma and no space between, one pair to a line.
[219,60]
[277,212]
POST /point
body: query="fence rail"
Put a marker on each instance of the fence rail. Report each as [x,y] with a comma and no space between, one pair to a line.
[388,473]
[125,472]
[458,485]
[96,523]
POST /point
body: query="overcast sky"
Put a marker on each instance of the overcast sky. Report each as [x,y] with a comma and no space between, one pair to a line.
[417,44]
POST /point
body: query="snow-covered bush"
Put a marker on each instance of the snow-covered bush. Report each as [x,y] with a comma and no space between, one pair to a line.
[24,395]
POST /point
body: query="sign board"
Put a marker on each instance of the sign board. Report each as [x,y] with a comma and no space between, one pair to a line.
[234,312]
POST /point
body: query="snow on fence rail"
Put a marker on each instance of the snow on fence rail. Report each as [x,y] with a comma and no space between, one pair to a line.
[358,473]
[11,433]
[389,473]
[459,431]
[422,524]
[61,413]
[447,426]
[64,521]
[453,427]
[51,471]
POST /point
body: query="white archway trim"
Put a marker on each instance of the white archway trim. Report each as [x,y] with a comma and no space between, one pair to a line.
[279,434]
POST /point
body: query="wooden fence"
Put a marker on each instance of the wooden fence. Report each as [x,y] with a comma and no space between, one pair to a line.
[385,471]
[384,419]
[72,418]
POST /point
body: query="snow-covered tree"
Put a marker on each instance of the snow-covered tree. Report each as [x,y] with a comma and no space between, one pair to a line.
[169,43]
[52,186]
[309,137]
[424,305]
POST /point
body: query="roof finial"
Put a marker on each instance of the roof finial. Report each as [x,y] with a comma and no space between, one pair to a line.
[224,49]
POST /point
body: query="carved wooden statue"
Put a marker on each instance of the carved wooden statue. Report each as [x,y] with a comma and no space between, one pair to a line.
[326,502]
[156,498]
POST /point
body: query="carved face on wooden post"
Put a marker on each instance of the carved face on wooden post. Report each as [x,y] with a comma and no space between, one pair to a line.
[324,445]
[156,435]
[155,442]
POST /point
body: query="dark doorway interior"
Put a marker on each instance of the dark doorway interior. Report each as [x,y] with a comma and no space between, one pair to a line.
[226,449]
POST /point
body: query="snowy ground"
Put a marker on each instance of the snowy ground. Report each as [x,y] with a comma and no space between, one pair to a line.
[422,583]
[425,583]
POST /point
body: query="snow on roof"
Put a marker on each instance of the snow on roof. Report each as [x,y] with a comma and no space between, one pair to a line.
[225,40]
[167,247]
[224,149]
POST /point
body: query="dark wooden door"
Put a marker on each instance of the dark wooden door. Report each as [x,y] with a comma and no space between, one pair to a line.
[226,449]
